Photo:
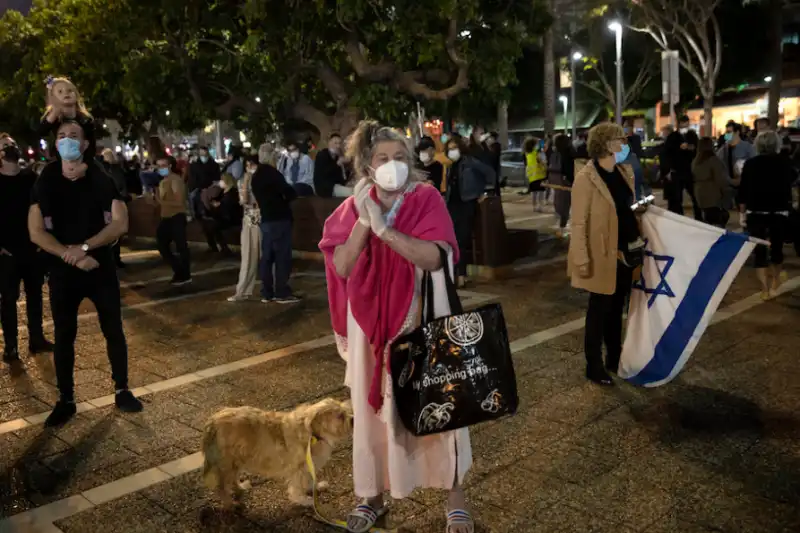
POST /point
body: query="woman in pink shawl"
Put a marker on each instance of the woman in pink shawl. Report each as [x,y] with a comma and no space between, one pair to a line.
[377,246]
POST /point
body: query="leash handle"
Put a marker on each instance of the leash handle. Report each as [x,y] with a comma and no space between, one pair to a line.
[341,524]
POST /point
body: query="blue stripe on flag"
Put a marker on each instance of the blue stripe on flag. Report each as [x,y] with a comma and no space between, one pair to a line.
[691,309]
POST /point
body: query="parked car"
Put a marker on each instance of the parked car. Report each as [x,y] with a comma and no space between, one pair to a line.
[512,168]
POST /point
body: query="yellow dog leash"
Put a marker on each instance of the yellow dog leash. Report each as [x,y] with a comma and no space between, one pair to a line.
[341,524]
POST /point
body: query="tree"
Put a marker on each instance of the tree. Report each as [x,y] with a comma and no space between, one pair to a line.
[692,26]
[593,73]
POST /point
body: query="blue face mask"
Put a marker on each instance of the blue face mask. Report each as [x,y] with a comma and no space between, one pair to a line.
[445,138]
[204,158]
[69,149]
[623,154]
[728,137]
[163,172]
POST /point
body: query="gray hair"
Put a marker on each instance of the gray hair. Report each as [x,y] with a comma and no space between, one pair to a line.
[368,135]
[768,142]
[266,154]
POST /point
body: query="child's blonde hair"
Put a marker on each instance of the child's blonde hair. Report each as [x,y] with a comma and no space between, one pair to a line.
[51,83]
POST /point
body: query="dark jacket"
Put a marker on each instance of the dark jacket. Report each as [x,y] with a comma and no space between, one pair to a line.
[202,175]
[470,177]
[674,158]
[327,173]
[229,211]
[272,193]
[710,183]
[117,174]
[767,182]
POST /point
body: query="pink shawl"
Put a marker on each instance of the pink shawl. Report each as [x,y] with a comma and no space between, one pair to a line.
[380,288]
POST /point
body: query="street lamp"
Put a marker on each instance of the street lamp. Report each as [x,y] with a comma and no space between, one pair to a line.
[768,79]
[167,113]
[258,99]
[576,56]
[616,27]
[565,103]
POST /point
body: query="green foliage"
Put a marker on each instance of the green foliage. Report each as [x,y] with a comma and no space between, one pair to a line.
[259,62]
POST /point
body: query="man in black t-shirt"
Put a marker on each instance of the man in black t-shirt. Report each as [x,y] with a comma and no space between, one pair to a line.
[77,220]
[19,260]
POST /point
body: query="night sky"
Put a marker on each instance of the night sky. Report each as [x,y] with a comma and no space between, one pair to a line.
[19,5]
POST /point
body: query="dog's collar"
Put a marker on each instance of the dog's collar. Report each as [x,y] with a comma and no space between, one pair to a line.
[316,438]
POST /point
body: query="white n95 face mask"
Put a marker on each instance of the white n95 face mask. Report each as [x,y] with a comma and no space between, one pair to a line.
[391,176]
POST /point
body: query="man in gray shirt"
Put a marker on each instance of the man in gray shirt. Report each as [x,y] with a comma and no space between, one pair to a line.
[733,154]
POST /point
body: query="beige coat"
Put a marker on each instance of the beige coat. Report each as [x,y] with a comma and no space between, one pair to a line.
[594,231]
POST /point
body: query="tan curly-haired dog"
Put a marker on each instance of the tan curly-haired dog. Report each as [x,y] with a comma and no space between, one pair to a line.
[272,444]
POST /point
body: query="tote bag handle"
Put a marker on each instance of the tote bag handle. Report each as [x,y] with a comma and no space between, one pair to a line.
[452,293]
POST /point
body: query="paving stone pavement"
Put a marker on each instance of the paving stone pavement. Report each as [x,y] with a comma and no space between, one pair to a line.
[716,450]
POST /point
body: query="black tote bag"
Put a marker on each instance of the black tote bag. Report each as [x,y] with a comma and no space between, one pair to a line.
[455,371]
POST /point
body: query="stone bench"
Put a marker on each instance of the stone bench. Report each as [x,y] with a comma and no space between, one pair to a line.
[492,253]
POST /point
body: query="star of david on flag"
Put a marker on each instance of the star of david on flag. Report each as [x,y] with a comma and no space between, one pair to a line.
[663,264]
[688,268]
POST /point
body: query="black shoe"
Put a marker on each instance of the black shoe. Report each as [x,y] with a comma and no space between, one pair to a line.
[127,402]
[62,412]
[288,300]
[10,355]
[40,346]
[599,376]
[613,368]
[179,282]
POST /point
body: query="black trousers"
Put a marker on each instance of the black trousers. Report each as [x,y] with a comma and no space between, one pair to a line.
[173,230]
[67,290]
[463,216]
[673,191]
[214,236]
[276,252]
[604,323]
[30,270]
[770,227]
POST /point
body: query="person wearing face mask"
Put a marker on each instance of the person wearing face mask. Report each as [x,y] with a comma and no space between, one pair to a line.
[677,155]
[433,169]
[330,172]
[19,260]
[172,198]
[605,240]
[377,246]
[733,154]
[298,169]
[76,220]
[466,184]
[203,173]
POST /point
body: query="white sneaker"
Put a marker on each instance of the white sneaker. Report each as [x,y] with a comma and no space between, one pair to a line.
[238,298]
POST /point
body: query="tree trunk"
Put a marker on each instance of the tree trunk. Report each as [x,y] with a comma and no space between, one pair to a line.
[775,55]
[155,147]
[502,124]
[549,82]
[708,114]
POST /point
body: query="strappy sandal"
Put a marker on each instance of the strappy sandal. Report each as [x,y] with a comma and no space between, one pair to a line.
[369,515]
[459,517]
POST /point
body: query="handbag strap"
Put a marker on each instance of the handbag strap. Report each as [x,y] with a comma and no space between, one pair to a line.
[427,291]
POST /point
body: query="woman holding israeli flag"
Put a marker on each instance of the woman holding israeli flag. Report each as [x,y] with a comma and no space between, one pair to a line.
[606,245]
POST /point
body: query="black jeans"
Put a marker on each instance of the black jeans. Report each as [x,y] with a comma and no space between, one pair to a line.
[673,191]
[463,216]
[173,229]
[604,323]
[276,251]
[772,228]
[214,236]
[30,270]
[67,290]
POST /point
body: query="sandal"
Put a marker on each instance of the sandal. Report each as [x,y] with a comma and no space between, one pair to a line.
[369,515]
[459,517]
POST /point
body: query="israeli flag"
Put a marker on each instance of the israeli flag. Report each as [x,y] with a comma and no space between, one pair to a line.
[688,268]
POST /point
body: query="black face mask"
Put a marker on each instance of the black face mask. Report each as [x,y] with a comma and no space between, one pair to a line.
[12,153]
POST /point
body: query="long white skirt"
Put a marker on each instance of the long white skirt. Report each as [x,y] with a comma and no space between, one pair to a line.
[386,457]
